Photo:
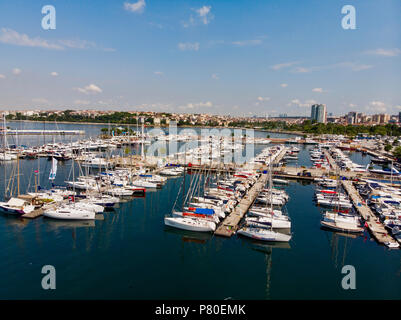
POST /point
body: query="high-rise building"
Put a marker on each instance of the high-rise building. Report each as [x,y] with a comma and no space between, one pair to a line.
[399,117]
[313,112]
[319,113]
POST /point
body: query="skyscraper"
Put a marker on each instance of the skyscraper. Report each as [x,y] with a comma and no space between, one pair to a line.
[313,112]
[319,113]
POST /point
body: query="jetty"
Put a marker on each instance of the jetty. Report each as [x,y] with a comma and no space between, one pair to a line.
[230,224]
[41,132]
[374,225]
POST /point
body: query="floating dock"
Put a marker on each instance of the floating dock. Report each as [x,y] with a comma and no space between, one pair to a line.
[230,224]
[374,225]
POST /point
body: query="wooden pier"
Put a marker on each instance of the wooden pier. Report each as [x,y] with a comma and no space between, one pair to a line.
[374,225]
[230,224]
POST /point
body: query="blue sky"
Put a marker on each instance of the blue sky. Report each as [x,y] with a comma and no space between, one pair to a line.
[220,57]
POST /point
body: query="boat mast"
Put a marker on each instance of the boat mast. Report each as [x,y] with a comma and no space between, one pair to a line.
[271,193]
[18,174]
[4,154]
[183,188]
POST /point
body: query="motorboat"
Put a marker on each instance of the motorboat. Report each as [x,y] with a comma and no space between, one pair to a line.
[16,206]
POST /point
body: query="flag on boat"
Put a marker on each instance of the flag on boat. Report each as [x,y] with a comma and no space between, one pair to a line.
[53,170]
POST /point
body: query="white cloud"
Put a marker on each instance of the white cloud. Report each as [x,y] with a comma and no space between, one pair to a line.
[205,14]
[263,98]
[302,70]
[385,52]
[81,102]
[158,73]
[54,74]
[90,89]
[2,76]
[320,90]
[16,71]
[376,106]
[207,104]
[298,103]
[247,43]
[215,76]
[348,65]
[188,46]
[283,65]
[284,85]
[353,66]
[77,44]
[137,7]
[40,100]
[10,36]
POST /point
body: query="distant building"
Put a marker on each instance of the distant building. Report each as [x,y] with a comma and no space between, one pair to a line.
[319,113]
[399,117]
[313,112]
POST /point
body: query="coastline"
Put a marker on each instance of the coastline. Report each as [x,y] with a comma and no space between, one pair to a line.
[295,133]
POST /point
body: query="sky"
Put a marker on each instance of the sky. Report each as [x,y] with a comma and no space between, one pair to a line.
[227,57]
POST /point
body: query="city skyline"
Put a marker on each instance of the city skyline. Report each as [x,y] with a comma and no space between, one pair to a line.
[201,57]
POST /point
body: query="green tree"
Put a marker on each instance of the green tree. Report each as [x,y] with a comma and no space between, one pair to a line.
[397,152]
[388,147]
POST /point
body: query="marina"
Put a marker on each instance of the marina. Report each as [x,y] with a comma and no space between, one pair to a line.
[237,210]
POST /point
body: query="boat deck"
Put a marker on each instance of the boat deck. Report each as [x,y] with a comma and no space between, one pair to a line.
[374,225]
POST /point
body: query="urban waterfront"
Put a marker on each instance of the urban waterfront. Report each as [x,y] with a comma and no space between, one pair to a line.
[130,254]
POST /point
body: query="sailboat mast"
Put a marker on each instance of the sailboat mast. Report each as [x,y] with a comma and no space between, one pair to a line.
[4,154]
[183,187]
[271,193]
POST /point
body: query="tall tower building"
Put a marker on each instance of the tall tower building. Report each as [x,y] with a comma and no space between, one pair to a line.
[313,112]
[319,113]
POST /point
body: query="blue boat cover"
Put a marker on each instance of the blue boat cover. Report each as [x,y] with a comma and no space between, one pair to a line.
[204,211]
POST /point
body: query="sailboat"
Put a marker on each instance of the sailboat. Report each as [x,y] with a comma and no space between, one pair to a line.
[341,221]
[260,232]
[71,210]
[5,155]
[196,220]
[15,205]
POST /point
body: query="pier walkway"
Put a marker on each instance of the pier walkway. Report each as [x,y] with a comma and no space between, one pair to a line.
[230,224]
[373,223]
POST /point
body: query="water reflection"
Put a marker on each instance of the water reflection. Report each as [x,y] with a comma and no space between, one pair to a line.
[57,224]
[340,245]
[266,248]
[189,236]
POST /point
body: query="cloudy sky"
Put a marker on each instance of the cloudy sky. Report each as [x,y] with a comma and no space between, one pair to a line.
[222,57]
